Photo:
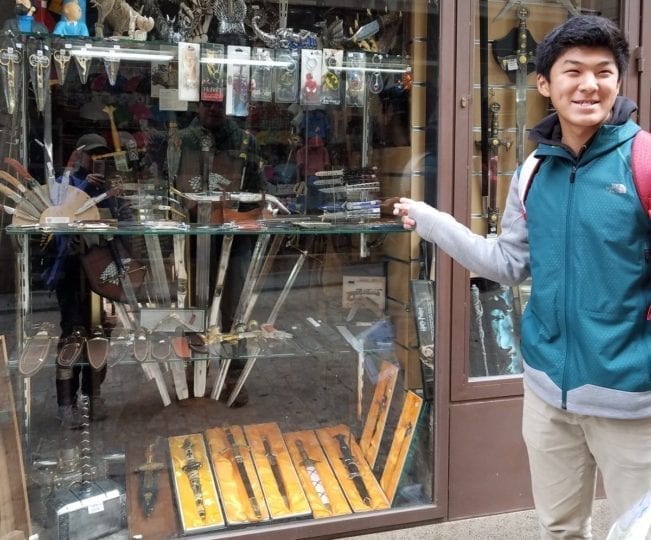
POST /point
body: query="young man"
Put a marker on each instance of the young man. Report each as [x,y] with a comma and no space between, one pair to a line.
[586,337]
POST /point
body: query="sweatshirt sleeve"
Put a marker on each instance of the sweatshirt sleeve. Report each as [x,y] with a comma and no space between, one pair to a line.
[504,259]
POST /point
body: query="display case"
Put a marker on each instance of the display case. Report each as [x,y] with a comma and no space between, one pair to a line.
[205,338]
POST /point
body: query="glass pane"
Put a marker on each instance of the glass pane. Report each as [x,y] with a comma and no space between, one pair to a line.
[203,337]
[506,106]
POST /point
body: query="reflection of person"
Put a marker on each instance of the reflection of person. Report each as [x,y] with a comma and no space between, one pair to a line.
[65,276]
[215,144]
[585,334]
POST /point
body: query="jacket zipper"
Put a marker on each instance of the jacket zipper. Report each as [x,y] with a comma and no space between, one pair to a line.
[568,239]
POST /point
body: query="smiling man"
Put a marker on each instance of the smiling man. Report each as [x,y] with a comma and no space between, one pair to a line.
[586,332]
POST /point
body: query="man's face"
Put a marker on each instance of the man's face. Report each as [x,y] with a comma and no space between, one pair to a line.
[583,84]
[211,114]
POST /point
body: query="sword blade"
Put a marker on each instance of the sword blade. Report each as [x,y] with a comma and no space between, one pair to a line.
[248,366]
[160,285]
[353,469]
[227,243]
[315,478]
[241,469]
[246,297]
[275,469]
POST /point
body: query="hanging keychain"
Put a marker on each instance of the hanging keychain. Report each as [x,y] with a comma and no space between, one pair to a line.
[311,69]
[286,76]
[261,76]
[212,72]
[355,80]
[237,80]
[331,78]
[376,81]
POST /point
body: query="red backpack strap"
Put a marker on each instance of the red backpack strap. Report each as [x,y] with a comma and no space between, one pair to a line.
[641,164]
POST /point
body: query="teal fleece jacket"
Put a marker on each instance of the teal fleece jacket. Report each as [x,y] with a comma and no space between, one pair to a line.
[586,341]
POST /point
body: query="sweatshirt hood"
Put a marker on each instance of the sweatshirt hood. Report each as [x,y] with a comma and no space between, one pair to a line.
[548,130]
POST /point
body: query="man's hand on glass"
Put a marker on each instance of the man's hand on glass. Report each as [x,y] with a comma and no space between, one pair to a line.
[401,209]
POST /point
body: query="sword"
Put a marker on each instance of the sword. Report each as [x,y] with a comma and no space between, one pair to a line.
[40,61]
[524,57]
[515,53]
[177,367]
[494,143]
[227,244]
[275,469]
[510,4]
[202,282]
[191,469]
[353,469]
[241,469]
[148,491]
[180,270]
[246,296]
[10,58]
[315,479]
[271,320]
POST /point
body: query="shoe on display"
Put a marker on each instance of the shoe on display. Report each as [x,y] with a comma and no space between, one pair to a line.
[69,417]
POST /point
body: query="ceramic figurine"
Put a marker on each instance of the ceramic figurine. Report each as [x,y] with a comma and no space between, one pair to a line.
[71,23]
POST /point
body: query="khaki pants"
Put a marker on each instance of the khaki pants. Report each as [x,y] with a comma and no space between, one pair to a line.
[565,450]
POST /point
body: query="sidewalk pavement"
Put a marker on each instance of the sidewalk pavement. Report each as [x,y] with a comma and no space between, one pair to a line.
[511,526]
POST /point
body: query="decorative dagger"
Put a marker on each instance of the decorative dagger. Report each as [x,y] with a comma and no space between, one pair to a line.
[149,481]
[353,469]
[275,469]
[494,143]
[10,58]
[40,61]
[28,179]
[241,469]
[191,468]
[62,59]
[317,483]
[382,405]
[524,57]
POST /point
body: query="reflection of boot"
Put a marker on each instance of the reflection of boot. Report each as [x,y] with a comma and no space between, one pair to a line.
[98,410]
[69,417]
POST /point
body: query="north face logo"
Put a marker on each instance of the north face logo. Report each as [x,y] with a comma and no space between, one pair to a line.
[617,188]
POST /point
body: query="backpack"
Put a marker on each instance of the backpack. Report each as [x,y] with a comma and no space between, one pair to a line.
[640,164]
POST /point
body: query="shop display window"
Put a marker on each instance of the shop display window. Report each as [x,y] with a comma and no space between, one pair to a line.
[206,335]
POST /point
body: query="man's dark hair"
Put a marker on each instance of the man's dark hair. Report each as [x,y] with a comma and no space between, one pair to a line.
[582,31]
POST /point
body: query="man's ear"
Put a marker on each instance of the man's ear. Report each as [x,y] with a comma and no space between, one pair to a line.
[543,85]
